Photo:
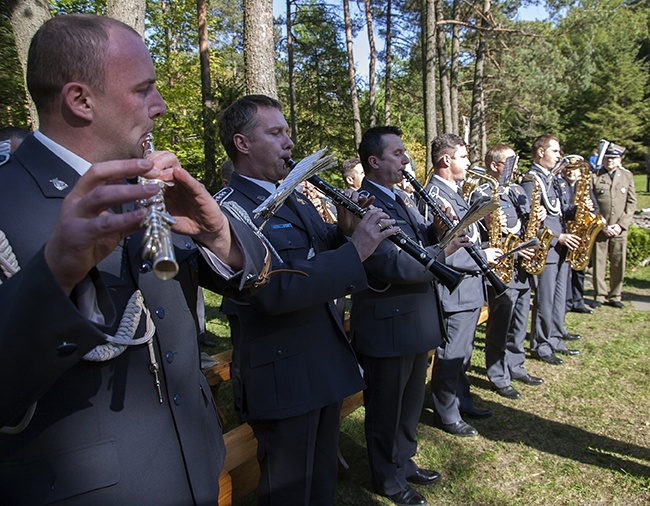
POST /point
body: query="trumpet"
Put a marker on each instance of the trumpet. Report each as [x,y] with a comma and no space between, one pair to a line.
[157,244]
[445,275]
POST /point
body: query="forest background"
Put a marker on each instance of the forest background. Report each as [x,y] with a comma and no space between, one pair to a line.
[469,67]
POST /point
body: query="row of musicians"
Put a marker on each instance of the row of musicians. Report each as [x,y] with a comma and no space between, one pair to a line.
[293,361]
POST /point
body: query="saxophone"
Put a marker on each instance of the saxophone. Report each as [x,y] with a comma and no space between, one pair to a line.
[537,263]
[586,224]
[504,269]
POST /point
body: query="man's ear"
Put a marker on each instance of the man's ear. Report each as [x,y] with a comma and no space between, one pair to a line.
[372,161]
[446,159]
[241,142]
[78,100]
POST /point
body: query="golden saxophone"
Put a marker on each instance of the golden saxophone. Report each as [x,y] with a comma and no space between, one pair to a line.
[537,263]
[157,244]
[586,224]
[505,268]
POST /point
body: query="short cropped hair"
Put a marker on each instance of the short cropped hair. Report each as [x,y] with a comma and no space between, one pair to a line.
[240,117]
[10,132]
[68,48]
[445,144]
[543,141]
[496,154]
[372,143]
[348,166]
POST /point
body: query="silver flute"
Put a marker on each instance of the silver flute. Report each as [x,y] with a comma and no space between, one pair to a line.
[157,244]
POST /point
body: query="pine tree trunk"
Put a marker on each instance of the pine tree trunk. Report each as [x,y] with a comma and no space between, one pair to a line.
[259,49]
[389,63]
[477,118]
[443,68]
[373,62]
[455,69]
[210,179]
[26,17]
[356,114]
[131,12]
[293,112]
[429,76]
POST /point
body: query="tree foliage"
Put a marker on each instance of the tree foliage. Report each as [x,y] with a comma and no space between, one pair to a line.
[582,75]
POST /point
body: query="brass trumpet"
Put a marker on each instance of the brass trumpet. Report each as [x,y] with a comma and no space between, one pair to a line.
[157,244]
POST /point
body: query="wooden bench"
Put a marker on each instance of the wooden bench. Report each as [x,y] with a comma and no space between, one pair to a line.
[241,472]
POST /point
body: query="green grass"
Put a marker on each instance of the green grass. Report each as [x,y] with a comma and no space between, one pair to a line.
[642,197]
[581,438]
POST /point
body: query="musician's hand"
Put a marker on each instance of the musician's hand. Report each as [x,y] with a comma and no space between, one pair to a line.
[541,213]
[571,241]
[493,254]
[198,215]
[526,254]
[375,226]
[87,230]
[346,220]
[590,204]
[462,241]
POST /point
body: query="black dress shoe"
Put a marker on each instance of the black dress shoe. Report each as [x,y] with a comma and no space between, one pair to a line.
[570,353]
[530,380]
[571,337]
[460,428]
[615,303]
[583,310]
[508,392]
[595,304]
[424,477]
[407,497]
[476,413]
[549,359]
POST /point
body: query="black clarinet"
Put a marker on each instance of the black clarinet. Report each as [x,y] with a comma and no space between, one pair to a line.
[445,275]
[499,286]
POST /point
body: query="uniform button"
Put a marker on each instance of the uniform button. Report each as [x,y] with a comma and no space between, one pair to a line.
[65,349]
[169,356]
[177,399]
[278,353]
[188,245]
[350,288]
[160,312]
[146,266]
[397,310]
[289,243]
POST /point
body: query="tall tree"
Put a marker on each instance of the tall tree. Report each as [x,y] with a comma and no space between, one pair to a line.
[26,17]
[131,12]
[443,67]
[429,76]
[454,67]
[210,179]
[372,92]
[259,47]
[292,76]
[388,64]
[477,119]
[354,95]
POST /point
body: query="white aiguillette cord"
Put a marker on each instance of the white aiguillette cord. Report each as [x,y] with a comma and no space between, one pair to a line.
[115,345]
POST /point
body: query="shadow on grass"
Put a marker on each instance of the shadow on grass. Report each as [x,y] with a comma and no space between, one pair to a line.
[516,426]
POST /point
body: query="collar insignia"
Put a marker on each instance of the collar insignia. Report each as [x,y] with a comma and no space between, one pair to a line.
[58,184]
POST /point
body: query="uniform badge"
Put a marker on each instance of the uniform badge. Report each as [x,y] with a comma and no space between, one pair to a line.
[223,194]
[58,184]
[301,201]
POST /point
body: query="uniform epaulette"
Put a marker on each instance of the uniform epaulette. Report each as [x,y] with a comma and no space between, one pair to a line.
[223,194]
